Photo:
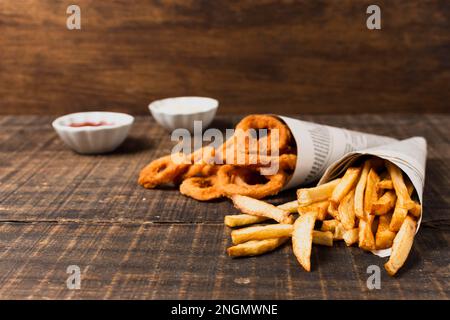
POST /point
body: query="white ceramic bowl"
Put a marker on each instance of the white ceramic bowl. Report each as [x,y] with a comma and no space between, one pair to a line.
[93,139]
[181,112]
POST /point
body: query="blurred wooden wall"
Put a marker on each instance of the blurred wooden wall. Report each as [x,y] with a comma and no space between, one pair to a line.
[254,56]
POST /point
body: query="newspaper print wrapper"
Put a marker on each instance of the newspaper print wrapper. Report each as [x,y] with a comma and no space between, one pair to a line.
[409,155]
[318,146]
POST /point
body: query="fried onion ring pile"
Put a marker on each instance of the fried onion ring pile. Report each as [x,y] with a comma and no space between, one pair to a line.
[236,167]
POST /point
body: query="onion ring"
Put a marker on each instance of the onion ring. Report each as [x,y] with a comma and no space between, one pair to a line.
[201,188]
[287,161]
[256,122]
[232,181]
[199,170]
[243,149]
[161,171]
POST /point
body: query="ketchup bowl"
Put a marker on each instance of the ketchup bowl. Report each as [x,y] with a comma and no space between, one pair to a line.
[93,132]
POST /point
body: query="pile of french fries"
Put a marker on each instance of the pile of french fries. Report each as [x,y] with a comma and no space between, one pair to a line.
[370,205]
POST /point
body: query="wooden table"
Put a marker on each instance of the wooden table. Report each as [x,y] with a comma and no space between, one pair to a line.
[58,208]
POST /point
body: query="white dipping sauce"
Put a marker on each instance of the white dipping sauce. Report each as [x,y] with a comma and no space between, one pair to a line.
[185,105]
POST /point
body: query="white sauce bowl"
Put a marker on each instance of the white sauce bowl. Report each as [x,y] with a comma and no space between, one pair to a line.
[93,139]
[181,112]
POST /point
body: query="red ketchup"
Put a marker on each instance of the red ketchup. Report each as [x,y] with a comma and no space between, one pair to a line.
[89,124]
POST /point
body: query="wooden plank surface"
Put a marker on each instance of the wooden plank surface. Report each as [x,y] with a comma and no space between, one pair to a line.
[58,208]
[313,56]
[188,261]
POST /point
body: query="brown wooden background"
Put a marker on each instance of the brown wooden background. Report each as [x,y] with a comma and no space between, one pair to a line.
[254,56]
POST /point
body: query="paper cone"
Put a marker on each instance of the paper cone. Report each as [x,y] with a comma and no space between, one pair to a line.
[409,155]
[318,146]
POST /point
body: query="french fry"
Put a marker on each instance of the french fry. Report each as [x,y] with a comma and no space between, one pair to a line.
[329,225]
[385,184]
[260,208]
[302,239]
[351,236]
[320,207]
[384,204]
[261,232]
[237,220]
[416,211]
[290,207]
[324,238]
[339,232]
[307,196]
[275,231]
[384,236]
[347,211]
[404,199]
[401,246]
[332,210]
[347,183]
[255,247]
[370,195]
[400,212]
[360,189]
[398,217]
[365,237]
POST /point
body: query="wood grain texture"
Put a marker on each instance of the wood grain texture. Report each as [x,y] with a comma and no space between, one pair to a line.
[188,261]
[58,208]
[258,56]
